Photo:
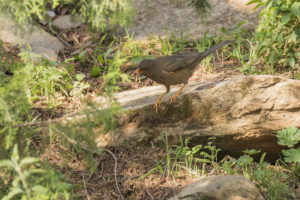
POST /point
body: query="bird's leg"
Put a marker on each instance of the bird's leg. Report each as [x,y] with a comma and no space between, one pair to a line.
[157,103]
[177,93]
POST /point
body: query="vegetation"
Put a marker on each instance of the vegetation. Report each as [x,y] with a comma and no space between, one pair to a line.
[40,99]
[93,12]
[273,181]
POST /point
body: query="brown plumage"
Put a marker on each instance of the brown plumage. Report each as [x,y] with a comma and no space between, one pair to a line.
[173,70]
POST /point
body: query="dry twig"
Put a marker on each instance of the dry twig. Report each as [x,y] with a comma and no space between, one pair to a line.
[85,147]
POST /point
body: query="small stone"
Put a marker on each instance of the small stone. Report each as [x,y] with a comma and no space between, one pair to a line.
[51,14]
[67,22]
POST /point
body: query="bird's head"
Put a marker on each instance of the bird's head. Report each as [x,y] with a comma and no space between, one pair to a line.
[144,66]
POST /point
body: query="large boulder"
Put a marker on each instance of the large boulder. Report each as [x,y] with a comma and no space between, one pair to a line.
[242,112]
[156,16]
[220,188]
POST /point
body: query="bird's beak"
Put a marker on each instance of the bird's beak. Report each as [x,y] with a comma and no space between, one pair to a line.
[138,71]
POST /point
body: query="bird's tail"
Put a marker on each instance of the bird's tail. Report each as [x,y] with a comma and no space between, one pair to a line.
[214,48]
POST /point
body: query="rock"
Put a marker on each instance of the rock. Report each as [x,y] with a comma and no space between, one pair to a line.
[242,112]
[220,188]
[156,16]
[51,14]
[40,41]
[67,22]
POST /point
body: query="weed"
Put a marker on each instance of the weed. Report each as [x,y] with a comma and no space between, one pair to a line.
[277,35]
[194,160]
[32,182]
[289,137]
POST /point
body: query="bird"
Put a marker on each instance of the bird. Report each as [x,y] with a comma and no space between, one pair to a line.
[174,69]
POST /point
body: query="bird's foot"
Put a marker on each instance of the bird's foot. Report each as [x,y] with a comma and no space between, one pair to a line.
[173,98]
[156,105]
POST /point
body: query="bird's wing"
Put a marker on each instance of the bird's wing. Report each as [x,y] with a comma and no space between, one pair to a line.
[178,62]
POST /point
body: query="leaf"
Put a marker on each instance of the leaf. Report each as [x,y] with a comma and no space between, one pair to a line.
[285,19]
[6,163]
[95,71]
[262,158]
[79,77]
[202,160]
[251,151]
[100,59]
[12,193]
[245,159]
[291,155]
[288,136]
[253,2]
[295,8]
[292,37]
[292,62]
[40,189]
[28,160]
[15,154]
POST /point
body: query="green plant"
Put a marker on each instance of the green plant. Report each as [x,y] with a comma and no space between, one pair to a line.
[96,13]
[134,50]
[201,7]
[185,156]
[190,159]
[289,137]
[32,182]
[167,47]
[51,80]
[42,78]
[173,43]
[277,35]
[274,181]
[180,42]
[95,71]
[205,43]
[14,108]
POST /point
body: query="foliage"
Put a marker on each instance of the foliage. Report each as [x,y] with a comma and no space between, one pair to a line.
[194,160]
[24,12]
[14,108]
[272,180]
[276,39]
[197,160]
[44,81]
[95,12]
[95,71]
[290,137]
[31,181]
[201,7]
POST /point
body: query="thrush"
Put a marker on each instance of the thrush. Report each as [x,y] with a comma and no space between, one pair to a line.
[173,70]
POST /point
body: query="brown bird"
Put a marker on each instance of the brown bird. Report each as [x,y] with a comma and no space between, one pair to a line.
[172,70]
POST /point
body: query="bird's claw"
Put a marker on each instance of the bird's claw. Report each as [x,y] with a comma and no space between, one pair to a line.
[173,98]
[156,106]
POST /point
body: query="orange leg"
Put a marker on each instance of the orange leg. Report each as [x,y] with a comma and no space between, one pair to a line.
[177,93]
[157,103]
